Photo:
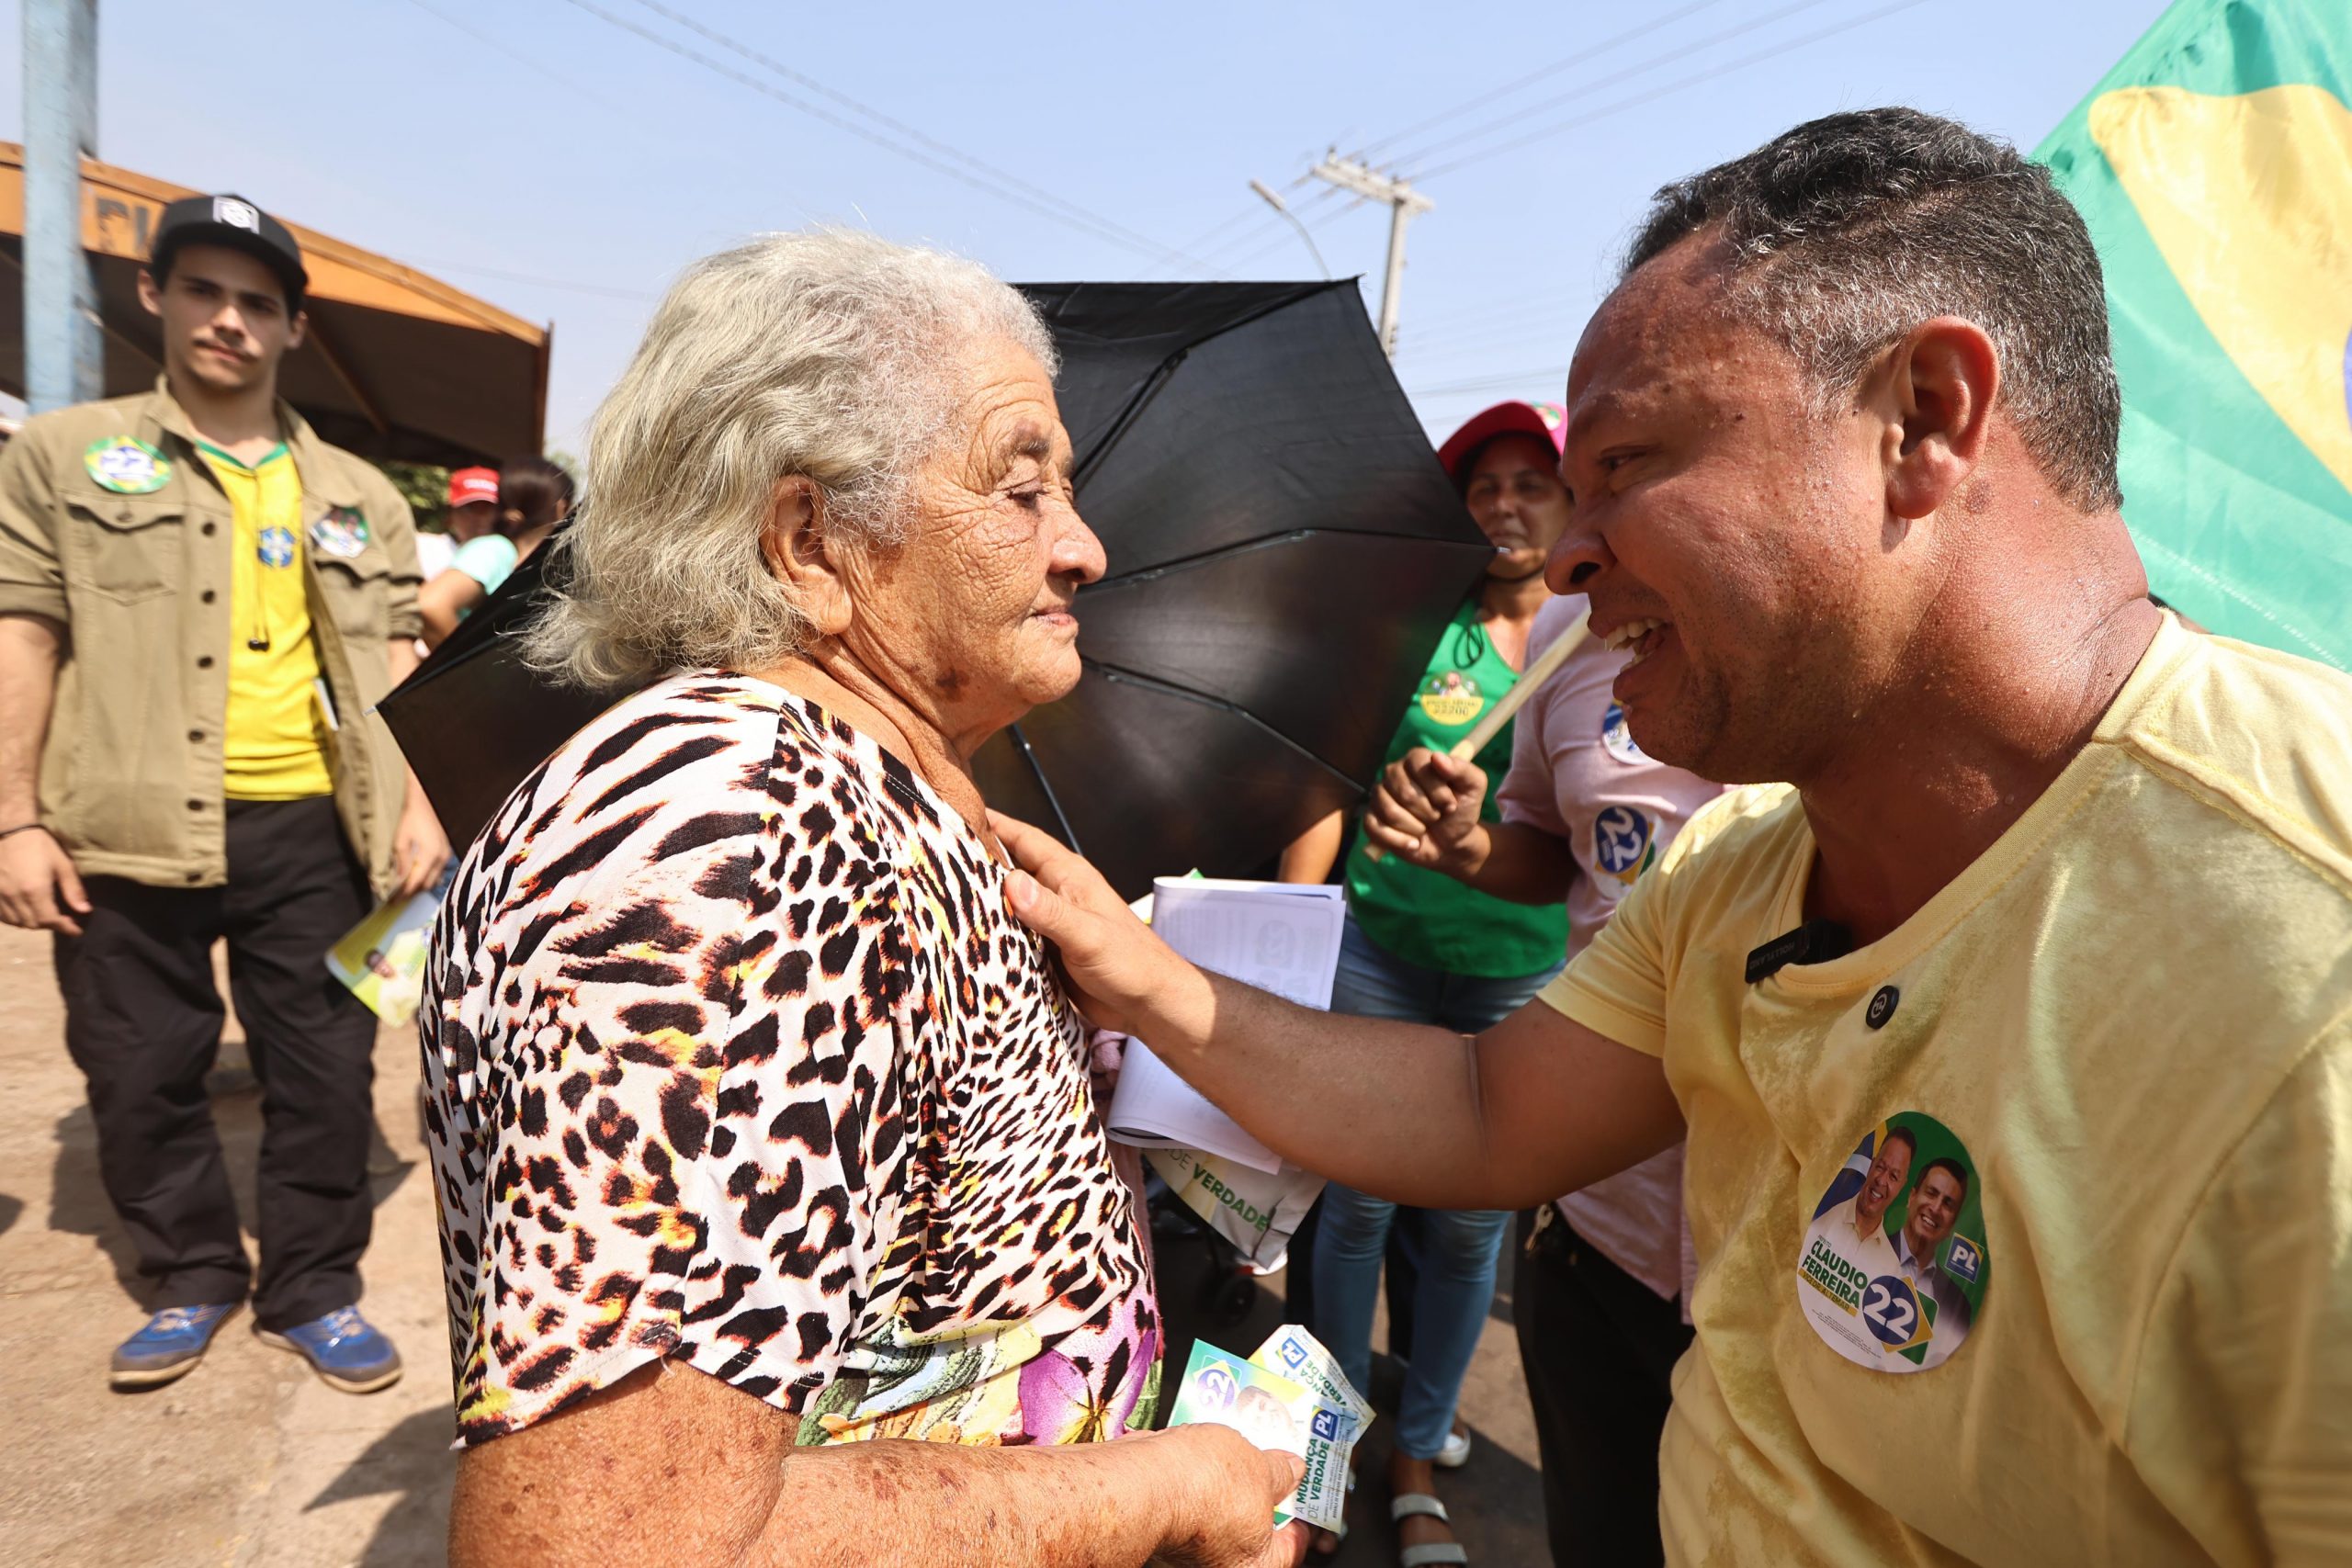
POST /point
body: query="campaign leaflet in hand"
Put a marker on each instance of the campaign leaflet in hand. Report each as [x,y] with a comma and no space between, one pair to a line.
[1300,1357]
[1273,1412]
[381,959]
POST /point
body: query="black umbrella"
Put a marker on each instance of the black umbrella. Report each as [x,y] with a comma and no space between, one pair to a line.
[474,720]
[1284,551]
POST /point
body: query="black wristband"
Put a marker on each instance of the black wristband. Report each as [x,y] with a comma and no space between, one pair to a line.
[24,828]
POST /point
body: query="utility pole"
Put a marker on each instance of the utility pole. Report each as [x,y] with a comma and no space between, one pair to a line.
[64,351]
[1405,204]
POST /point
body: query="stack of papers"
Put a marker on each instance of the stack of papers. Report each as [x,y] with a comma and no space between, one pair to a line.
[1280,937]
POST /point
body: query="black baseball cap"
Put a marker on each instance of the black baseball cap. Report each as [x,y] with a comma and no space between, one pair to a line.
[238,224]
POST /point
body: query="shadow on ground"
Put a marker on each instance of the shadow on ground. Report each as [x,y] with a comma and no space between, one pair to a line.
[77,1200]
[78,1205]
[413,1532]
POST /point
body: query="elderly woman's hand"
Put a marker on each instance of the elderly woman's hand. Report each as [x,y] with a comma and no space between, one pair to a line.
[1231,1489]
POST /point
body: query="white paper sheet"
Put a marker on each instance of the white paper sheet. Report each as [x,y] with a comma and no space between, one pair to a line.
[1277,936]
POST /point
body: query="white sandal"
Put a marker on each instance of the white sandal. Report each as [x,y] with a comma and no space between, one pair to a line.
[1421,1505]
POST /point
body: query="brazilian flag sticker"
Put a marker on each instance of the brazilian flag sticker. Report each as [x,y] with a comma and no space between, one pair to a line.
[2213,165]
[127,466]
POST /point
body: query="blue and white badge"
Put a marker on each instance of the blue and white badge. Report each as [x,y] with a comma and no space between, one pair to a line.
[127,466]
[277,546]
[1622,843]
[342,533]
[1617,737]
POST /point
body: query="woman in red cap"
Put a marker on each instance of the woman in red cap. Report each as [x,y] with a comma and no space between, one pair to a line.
[1423,947]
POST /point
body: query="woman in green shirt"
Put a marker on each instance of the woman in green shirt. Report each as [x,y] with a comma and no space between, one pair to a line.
[1421,947]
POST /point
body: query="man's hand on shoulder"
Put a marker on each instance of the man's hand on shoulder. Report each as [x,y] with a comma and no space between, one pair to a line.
[1121,976]
[39,889]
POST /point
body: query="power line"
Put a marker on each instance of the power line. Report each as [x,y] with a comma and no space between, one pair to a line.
[1522,114]
[1135,240]
[1691,81]
[1486,99]
[1494,313]
[1490,383]
[511,52]
[1322,197]
[1247,221]
[609,290]
[1085,225]
[1424,349]
[1330,216]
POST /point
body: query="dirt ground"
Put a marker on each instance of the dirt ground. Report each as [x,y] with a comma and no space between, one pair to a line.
[251,1461]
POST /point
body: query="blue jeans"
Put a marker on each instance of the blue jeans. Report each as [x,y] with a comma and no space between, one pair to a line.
[1457,1262]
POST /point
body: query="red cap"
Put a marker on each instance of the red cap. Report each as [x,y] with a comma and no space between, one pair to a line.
[1545,421]
[467,486]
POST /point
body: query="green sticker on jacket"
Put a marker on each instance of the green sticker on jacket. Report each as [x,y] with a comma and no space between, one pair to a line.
[127,466]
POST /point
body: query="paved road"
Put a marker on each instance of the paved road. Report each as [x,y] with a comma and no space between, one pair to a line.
[251,1461]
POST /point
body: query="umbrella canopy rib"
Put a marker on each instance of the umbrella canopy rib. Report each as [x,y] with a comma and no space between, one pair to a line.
[1170,688]
[1146,389]
[1267,542]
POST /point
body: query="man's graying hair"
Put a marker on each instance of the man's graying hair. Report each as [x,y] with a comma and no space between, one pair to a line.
[834,356]
[1849,231]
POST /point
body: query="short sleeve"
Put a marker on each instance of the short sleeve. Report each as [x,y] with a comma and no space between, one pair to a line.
[32,580]
[1528,795]
[687,1114]
[2241,1414]
[1616,987]
[487,560]
[396,527]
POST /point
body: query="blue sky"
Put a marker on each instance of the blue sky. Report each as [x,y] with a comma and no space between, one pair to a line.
[563,167]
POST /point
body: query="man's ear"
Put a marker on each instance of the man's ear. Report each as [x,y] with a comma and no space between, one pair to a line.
[1942,380]
[294,334]
[802,554]
[150,293]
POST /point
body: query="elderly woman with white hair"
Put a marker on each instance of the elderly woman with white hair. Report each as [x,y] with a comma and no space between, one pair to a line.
[761,1133]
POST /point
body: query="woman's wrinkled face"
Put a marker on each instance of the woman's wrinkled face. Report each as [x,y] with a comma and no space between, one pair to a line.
[974,612]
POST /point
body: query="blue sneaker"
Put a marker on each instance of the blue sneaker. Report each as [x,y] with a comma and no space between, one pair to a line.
[343,1347]
[170,1345]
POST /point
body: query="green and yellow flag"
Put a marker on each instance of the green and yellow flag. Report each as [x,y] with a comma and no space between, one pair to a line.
[2214,168]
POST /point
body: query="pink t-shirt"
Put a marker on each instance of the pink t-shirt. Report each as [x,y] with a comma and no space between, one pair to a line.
[1576,774]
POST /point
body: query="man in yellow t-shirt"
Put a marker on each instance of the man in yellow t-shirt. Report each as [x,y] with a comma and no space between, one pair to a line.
[2058,888]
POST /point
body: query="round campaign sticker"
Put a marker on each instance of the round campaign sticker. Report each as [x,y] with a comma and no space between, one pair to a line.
[1451,698]
[1623,842]
[1893,1267]
[343,532]
[127,466]
[1617,737]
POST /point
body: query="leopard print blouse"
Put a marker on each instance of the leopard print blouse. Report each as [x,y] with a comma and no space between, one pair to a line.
[734,1056]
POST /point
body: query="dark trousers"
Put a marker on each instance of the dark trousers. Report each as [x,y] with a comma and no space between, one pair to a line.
[142,1021]
[1598,1346]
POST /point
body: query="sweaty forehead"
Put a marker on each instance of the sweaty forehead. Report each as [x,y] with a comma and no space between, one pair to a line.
[1665,342]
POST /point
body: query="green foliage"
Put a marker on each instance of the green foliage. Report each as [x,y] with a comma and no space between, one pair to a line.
[426,488]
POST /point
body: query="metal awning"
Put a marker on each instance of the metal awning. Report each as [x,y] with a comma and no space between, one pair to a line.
[397,364]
